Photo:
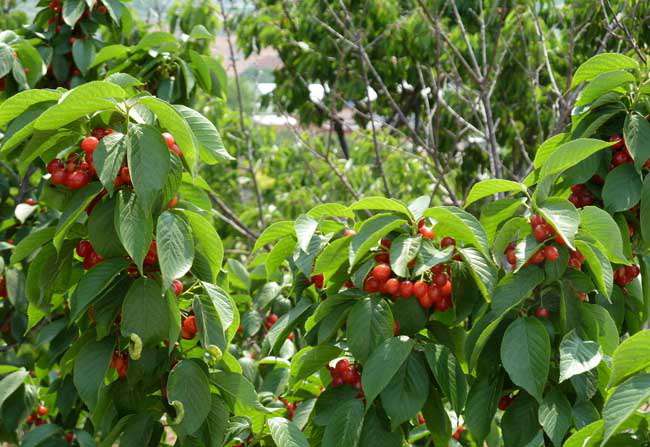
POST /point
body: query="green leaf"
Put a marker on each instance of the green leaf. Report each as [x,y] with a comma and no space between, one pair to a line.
[41,435]
[189,385]
[481,405]
[344,429]
[599,266]
[175,247]
[72,11]
[330,210]
[482,270]
[570,154]
[632,356]
[208,248]
[547,148]
[555,415]
[109,53]
[305,228]
[586,436]
[407,391]
[11,383]
[381,204]
[369,323]
[149,162]
[17,104]
[237,388]
[383,364]
[90,367]
[109,157]
[577,356]
[286,433]
[144,312]
[604,83]
[101,229]
[436,418]
[602,63]
[375,431]
[76,205]
[134,227]
[274,232]
[623,402]
[278,254]
[622,188]
[489,187]
[563,217]
[31,243]
[310,359]
[402,251]
[175,124]
[519,424]
[599,325]
[526,354]
[83,53]
[599,224]
[93,283]
[370,233]
[211,147]
[637,138]
[211,329]
[460,225]
[449,375]
[645,210]
[429,256]
[494,214]
[333,256]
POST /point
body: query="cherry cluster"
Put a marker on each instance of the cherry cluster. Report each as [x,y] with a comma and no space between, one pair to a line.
[581,196]
[270,320]
[86,251]
[576,259]
[188,327]
[38,416]
[345,373]
[290,406]
[626,274]
[621,154]
[120,363]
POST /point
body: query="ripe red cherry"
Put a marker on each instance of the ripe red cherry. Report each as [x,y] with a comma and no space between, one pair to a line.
[434,293]
[381,272]
[420,288]
[317,280]
[30,201]
[427,232]
[540,232]
[59,177]
[425,301]
[421,419]
[551,253]
[169,139]
[69,437]
[336,382]
[121,364]
[188,330]
[177,287]
[504,402]
[102,9]
[392,286]
[406,289]
[173,202]
[542,312]
[84,248]
[89,144]
[176,150]
[632,271]
[55,165]
[42,410]
[443,304]
[382,257]
[446,289]
[125,175]
[371,285]
[440,279]
[342,366]
[536,219]
[386,243]
[77,180]
[621,157]
[617,140]
[537,258]
[447,242]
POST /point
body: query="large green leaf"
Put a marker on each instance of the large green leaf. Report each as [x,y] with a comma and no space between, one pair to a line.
[623,402]
[11,383]
[602,63]
[175,247]
[599,224]
[101,229]
[274,232]
[305,228]
[344,429]
[436,418]
[134,227]
[563,217]
[555,415]
[286,433]
[210,326]
[17,104]
[208,248]
[145,312]
[637,138]
[93,283]
[149,162]
[519,424]
[72,11]
[90,367]
[83,53]
[490,187]
[370,233]
[31,243]
[449,375]
[310,359]
[376,432]
[75,206]
[645,209]
[188,384]
[383,364]
[599,266]
[461,225]
[611,81]
[211,147]
[482,270]
[402,251]
[381,204]
[632,356]
[622,188]
[369,323]
[577,356]
[481,405]
[109,158]
[526,354]
[407,391]
[570,154]
[238,389]
[333,256]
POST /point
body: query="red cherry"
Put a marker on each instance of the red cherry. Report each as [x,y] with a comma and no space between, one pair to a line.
[31,201]
[504,402]
[427,232]
[382,257]
[425,301]
[342,366]
[511,256]
[77,180]
[42,410]
[69,437]
[582,296]
[371,285]
[420,288]
[537,258]
[392,286]
[337,381]
[188,330]
[386,243]
[621,157]
[125,175]
[349,232]
[173,202]
[89,144]
[540,232]
[317,280]
[536,219]
[102,9]
[447,242]
[578,188]
[551,253]
[55,165]
[84,248]
[176,150]
[348,376]
[381,272]
[59,177]
[617,140]
[446,289]
[177,287]
[421,419]
[542,312]
[440,279]
[434,293]
[443,304]
[406,289]
[169,139]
